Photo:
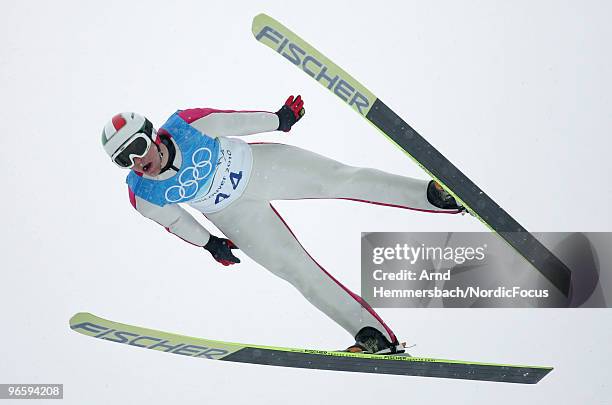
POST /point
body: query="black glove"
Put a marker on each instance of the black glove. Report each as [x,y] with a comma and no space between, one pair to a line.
[290,113]
[221,250]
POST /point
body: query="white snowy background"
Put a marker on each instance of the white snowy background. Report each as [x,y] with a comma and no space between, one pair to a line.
[516,94]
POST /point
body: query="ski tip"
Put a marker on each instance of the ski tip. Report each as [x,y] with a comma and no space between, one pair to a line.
[77,318]
[258,21]
[260,16]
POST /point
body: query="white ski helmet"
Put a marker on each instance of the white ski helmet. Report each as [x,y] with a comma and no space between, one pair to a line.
[124,127]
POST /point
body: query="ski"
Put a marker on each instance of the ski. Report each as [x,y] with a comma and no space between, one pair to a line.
[91,325]
[273,34]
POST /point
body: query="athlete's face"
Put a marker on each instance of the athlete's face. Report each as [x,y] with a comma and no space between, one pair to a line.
[149,164]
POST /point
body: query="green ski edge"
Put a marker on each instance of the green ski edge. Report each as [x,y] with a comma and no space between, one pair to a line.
[93,326]
[319,67]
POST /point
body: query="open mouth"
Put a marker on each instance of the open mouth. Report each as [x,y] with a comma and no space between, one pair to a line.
[146,167]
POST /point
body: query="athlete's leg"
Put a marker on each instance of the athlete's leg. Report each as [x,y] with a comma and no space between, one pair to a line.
[259,231]
[284,172]
[287,172]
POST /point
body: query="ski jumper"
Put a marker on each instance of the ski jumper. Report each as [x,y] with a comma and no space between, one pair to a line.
[234,183]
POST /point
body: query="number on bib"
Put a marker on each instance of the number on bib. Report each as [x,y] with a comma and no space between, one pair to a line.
[235,179]
[220,197]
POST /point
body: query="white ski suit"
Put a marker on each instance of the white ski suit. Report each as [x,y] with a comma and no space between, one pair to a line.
[269,172]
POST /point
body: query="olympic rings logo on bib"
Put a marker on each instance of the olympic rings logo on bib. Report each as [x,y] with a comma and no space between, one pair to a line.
[189,178]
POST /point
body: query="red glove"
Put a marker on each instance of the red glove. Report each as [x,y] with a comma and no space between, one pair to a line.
[290,113]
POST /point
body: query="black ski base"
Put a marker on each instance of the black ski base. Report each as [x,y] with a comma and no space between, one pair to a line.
[430,159]
[397,365]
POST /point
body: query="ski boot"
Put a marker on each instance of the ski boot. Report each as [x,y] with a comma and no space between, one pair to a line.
[371,341]
[441,198]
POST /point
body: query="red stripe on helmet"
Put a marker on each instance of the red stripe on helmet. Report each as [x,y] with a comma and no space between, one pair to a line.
[118,122]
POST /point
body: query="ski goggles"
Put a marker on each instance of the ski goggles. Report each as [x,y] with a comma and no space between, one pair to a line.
[136,146]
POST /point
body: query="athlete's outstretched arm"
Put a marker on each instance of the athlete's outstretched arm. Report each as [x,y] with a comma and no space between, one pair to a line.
[175,219]
[239,123]
[230,123]
[179,222]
